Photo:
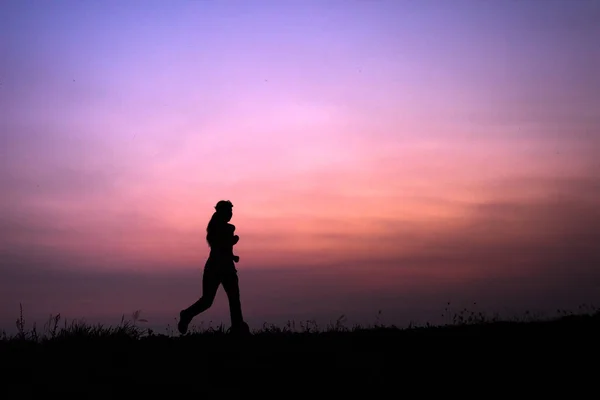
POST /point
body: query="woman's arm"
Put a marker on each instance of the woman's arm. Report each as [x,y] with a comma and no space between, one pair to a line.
[231,231]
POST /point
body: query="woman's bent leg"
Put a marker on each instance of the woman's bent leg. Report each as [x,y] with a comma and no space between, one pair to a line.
[210,285]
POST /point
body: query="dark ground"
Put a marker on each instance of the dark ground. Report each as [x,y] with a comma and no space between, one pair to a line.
[558,358]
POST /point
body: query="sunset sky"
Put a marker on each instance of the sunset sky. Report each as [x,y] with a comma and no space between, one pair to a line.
[380,155]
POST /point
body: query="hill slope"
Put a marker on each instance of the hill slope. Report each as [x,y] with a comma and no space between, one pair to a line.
[93,362]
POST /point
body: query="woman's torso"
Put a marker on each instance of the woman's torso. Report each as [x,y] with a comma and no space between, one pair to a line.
[220,240]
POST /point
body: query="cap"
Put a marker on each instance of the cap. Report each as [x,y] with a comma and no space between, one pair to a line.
[224,205]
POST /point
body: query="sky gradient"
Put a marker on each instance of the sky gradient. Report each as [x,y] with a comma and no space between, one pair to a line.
[380,155]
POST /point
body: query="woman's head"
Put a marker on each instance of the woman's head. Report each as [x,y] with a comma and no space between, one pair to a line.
[224,210]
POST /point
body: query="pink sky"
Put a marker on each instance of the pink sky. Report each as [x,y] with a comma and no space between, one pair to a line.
[371,147]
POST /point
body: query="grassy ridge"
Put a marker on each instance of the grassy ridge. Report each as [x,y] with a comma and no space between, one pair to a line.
[109,361]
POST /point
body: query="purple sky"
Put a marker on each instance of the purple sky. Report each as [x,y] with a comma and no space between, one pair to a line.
[380,155]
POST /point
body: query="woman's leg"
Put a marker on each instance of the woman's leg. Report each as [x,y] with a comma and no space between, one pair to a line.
[231,285]
[210,285]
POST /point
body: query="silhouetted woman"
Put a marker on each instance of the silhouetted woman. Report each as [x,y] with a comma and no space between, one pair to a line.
[219,269]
